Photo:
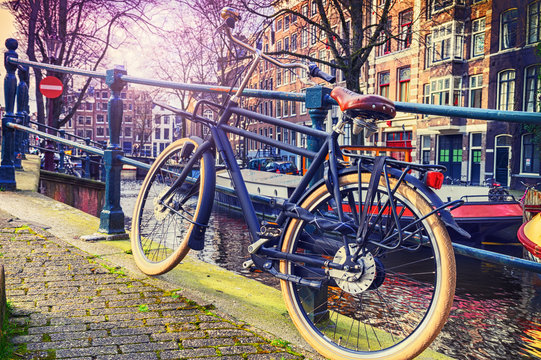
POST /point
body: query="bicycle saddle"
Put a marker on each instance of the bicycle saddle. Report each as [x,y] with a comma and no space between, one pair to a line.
[368,106]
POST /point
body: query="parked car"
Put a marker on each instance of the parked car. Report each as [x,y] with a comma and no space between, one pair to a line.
[282,167]
[259,163]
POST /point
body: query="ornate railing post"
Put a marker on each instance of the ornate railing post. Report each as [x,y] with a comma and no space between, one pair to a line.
[112,216]
[87,160]
[22,105]
[61,152]
[318,108]
[7,170]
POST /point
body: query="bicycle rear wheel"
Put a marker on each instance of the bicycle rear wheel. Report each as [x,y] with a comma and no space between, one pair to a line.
[162,230]
[397,305]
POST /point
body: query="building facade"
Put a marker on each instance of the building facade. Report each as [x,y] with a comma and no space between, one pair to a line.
[469,53]
[463,53]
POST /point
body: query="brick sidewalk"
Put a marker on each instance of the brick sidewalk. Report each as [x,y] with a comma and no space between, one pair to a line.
[70,305]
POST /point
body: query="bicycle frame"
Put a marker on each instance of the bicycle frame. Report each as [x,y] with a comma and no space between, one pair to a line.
[220,143]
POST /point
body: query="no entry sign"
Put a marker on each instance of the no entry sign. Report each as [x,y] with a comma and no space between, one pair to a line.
[51,87]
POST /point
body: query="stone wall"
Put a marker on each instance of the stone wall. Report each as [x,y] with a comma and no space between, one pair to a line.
[83,194]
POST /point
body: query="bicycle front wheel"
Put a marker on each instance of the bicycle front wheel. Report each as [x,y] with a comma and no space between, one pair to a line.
[398,303]
[163,227]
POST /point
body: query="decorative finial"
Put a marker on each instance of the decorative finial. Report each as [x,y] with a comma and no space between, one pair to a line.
[12,44]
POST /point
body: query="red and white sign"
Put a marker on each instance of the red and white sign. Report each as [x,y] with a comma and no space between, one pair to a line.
[51,87]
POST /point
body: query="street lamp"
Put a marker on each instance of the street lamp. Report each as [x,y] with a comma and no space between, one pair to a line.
[53,44]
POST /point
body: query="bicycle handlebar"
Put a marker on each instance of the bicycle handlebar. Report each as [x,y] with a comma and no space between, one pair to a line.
[231,17]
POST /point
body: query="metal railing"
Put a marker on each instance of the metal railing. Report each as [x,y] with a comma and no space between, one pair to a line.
[317,100]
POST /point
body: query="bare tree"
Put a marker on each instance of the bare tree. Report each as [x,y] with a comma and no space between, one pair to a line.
[346,27]
[142,119]
[87,29]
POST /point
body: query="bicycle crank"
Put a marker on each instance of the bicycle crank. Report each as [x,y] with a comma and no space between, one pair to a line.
[357,278]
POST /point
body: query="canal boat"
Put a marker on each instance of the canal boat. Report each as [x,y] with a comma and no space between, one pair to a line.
[489,222]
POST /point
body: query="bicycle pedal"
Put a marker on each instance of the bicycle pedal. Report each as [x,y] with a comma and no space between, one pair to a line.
[248,264]
[253,248]
[269,230]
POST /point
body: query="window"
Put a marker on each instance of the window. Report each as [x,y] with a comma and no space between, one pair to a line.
[508,34]
[531,102]
[279,25]
[304,38]
[104,95]
[313,8]
[157,134]
[99,131]
[165,134]
[166,119]
[478,37]
[506,90]
[303,104]
[104,106]
[530,155]
[89,106]
[534,25]
[476,90]
[426,94]
[404,76]
[99,118]
[447,41]
[293,108]
[406,20]
[278,77]
[425,149]
[293,18]
[286,109]
[286,44]
[428,51]
[305,10]
[446,91]
[278,108]
[294,42]
[384,79]
[127,132]
[313,35]
[439,5]
[279,45]
[385,48]
[88,120]
[286,22]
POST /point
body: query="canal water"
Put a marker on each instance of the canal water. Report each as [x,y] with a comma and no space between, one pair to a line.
[496,312]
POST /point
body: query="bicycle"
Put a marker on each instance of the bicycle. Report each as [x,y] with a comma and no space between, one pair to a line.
[496,192]
[366,266]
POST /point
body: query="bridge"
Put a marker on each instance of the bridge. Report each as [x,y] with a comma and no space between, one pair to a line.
[316,99]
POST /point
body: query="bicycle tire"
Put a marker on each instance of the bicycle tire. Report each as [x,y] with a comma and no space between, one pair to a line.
[160,235]
[420,302]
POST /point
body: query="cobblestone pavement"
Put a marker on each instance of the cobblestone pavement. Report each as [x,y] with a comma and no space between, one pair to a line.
[70,305]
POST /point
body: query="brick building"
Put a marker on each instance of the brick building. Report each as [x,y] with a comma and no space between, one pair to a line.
[463,53]
[471,53]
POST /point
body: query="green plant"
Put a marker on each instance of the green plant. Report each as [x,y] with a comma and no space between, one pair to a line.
[115,270]
[143,308]
[281,343]
[6,347]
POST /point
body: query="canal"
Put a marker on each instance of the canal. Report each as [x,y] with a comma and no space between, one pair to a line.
[496,312]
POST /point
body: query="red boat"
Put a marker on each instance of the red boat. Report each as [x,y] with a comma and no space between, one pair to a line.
[489,222]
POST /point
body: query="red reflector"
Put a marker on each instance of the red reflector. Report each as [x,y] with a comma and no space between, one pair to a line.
[434,179]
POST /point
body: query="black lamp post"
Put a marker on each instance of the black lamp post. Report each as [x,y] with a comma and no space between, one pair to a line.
[53,45]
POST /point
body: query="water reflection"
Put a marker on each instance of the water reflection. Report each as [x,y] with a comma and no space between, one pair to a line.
[496,312]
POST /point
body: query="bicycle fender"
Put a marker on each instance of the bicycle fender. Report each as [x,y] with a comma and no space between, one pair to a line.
[436,202]
[433,199]
[197,237]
